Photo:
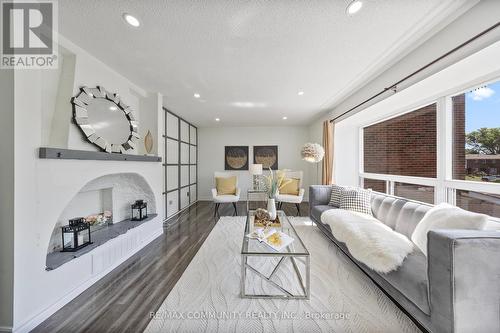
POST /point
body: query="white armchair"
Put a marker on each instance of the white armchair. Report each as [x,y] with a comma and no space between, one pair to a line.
[290,198]
[225,198]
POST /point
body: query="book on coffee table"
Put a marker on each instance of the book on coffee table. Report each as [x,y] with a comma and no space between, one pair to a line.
[273,238]
[278,240]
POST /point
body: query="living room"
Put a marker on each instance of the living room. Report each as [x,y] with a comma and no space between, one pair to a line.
[230,166]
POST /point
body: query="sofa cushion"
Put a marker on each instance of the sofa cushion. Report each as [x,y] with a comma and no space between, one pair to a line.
[399,214]
[316,211]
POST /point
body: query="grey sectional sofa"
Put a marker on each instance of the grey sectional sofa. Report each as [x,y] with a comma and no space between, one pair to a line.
[455,289]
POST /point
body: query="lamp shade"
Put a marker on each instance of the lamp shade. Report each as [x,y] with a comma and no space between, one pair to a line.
[256,169]
[312,152]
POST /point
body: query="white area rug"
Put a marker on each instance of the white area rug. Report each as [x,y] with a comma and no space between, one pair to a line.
[206,297]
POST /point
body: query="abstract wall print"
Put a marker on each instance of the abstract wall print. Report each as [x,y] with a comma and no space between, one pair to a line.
[267,156]
[236,158]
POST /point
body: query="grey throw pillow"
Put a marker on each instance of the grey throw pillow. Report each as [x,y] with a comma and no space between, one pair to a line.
[357,200]
[336,195]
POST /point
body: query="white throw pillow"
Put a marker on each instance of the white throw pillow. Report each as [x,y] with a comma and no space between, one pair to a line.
[356,200]
[446,216]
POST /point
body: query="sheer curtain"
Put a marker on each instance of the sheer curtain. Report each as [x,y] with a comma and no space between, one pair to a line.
[327,174]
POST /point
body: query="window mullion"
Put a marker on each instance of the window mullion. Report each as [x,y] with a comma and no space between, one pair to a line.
[443,149]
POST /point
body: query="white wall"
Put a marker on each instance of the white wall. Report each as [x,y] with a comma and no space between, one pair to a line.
[475,69]
[6,198]
[212,140]
[44,187]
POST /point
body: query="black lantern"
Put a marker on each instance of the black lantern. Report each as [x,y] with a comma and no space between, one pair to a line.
[139,210]
[76,235]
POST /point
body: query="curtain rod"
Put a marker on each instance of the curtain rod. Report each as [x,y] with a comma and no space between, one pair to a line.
[393,87]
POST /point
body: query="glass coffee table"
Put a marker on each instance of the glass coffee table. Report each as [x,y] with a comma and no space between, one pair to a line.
[255,256]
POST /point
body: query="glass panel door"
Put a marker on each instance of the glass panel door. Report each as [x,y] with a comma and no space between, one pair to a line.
[180,163]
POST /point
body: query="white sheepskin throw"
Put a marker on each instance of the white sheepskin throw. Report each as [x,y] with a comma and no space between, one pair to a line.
[446,216]
[368,240]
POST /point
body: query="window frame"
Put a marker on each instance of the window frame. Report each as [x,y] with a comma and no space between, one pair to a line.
[445,186]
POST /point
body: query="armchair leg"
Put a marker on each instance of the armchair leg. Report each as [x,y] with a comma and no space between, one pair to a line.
[216,210]
[235,209]
[298,209]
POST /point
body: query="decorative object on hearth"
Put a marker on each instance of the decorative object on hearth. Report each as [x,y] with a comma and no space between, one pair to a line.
[256,172]
[76,235]
[139,210]
[103,218]
[236,158]
[267,156]
[313,153]
[105,120]
[148,142]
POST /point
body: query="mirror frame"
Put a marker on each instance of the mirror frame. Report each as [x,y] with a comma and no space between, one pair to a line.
[80,115]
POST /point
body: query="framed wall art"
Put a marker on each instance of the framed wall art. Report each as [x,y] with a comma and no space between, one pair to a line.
[267,156]
[236,158]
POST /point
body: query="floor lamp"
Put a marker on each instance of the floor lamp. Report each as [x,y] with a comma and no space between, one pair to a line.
[313,153]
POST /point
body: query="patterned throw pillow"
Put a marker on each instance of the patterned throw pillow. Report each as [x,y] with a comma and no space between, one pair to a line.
[336,195]
[357,200]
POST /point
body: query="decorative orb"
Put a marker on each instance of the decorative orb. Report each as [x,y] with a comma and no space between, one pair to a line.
[312,152]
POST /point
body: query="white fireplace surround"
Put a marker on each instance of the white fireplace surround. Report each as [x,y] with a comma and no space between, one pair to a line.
[113,192]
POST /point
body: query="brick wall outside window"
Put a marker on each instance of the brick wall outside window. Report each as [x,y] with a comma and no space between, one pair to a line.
[405,145]
[375,184]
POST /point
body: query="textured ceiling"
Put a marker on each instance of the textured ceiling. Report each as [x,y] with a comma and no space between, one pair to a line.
[249,59]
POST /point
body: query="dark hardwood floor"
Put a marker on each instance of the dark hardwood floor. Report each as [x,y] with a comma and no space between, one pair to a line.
[123,300]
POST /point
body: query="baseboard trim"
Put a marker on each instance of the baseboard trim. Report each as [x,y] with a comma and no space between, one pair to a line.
[6,329]
[42,316]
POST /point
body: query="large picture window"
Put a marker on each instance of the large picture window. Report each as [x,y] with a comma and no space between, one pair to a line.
[447,151]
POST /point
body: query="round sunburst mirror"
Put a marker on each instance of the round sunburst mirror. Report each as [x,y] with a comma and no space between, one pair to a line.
[105,120]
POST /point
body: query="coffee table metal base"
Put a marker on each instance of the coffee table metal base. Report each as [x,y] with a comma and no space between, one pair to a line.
[305,283]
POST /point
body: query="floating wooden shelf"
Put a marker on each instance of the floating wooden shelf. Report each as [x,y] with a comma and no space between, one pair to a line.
[71,154]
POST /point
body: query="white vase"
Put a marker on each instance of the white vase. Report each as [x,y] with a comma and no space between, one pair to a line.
[271,209]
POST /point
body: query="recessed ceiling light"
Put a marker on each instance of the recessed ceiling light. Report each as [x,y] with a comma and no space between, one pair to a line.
[196,95]
[285,118]
[354,6]
[133,21]
[300,93]
[217,119]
